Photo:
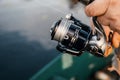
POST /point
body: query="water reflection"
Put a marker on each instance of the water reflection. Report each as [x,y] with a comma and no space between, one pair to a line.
[25,44]
[20,58]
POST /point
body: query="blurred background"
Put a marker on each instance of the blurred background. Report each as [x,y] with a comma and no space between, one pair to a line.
[25,44]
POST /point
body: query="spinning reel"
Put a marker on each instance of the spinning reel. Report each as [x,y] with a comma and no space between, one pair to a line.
[74,37]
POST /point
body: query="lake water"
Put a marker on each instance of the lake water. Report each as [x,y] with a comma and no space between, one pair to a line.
[25,45]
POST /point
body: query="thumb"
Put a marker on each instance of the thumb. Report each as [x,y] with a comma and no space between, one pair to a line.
[97,8]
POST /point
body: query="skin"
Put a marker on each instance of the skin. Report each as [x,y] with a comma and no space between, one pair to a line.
[107,11]
[108,14]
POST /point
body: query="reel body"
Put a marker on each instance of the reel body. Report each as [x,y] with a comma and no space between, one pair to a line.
[74,37]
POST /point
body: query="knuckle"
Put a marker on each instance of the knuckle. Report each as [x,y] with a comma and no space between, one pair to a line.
[103,21]
[89,11]
[115,25]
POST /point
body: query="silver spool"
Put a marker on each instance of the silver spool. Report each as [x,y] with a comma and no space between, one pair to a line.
[62,30]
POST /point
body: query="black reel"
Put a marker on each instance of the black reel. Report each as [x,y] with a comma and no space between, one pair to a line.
[74,37]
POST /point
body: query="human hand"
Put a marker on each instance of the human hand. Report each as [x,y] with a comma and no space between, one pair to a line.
[114,42]
[115,39]
[107,12]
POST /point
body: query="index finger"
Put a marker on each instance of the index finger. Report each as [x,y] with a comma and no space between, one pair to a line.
[97,8]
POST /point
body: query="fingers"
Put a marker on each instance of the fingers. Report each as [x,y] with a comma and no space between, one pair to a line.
[103,20]
[109,48]
[107,31]
[115,25]
[97,8]
[92,26]
[108,51]
[116,39]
